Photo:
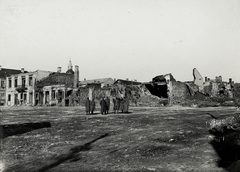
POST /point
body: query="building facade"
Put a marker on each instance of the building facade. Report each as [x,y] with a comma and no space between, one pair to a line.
[20,88]
[4,72]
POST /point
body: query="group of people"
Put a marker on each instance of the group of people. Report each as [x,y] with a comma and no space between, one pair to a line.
[90,106]
[119,105]
[105,105]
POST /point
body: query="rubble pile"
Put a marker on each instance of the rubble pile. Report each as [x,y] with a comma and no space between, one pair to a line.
[139,95]
[152,101]
[223,125]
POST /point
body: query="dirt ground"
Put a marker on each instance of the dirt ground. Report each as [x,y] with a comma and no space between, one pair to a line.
[146,139]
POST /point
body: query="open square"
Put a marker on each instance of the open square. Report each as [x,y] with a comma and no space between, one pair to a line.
[146,139]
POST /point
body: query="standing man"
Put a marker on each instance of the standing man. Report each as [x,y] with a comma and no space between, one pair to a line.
[92,106]
[117,104]
[103,106]
[114,105]
[126,105]
[87,106]
[108,105]
[121,104]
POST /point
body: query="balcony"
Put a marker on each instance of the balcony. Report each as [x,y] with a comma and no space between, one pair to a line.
[21,88]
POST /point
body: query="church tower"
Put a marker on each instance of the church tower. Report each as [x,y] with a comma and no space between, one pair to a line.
[70,65]
[70,71]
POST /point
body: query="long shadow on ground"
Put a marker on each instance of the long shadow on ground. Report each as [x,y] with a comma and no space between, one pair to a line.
[14,129]
[73,154]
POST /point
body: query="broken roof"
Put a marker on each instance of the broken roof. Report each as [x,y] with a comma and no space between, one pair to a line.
[57,79]
[163,78]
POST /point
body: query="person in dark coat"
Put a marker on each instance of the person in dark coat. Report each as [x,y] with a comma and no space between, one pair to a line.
[121,104]
[103,106]
[126,105]
[92,106]
[108,105]
[87,106]
[115,105]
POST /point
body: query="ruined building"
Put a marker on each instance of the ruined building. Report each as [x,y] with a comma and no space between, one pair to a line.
[59,88]
[213,87]
[107,87]
[217,87]
[165,86]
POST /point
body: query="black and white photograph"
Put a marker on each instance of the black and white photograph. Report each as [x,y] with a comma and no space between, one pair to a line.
[119,86]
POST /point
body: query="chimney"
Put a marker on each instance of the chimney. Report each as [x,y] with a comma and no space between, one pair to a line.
[84,79]
[76,77]
[206,79]
[22,70]
[230,80]
[59,69]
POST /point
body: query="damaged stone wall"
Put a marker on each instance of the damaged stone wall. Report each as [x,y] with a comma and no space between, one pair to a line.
[197,79]
[218,89]
[178,92]
[84,93]
[74,97]
[208,89]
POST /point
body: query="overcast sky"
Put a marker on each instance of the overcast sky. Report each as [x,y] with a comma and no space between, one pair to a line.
[135,39]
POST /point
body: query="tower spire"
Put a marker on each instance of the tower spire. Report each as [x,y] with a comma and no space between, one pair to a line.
[70,64]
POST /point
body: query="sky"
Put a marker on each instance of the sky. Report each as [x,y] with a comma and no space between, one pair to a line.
[135,39]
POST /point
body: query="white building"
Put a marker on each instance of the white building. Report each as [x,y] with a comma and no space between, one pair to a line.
[5,72]
[20,88]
